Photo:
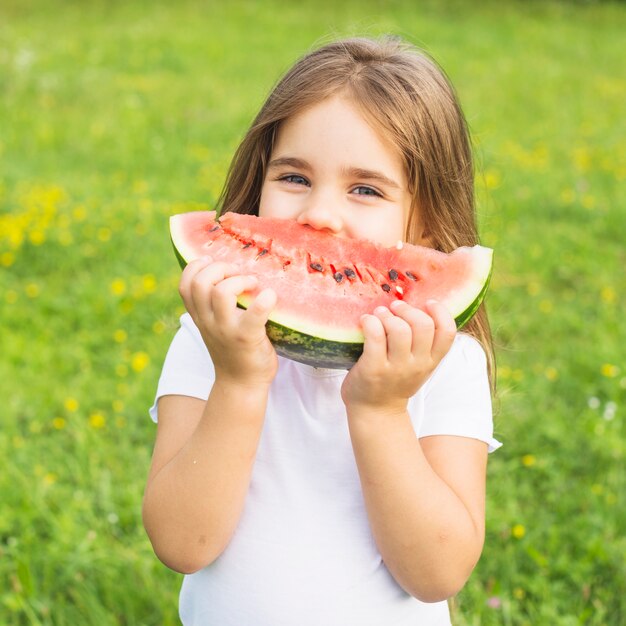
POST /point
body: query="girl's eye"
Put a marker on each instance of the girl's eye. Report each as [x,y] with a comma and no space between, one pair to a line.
[295,179]
[366,191]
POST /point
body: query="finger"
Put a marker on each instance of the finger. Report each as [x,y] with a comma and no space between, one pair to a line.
[186,279]
[445,329]
[202,283]
[398,332]
[256,316]
[421,324]
[223,295]
[375,344]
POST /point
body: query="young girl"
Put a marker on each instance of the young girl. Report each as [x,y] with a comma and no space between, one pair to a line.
[291,495]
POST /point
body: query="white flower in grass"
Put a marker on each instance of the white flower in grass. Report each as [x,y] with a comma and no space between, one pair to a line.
[609,411]
[593,402]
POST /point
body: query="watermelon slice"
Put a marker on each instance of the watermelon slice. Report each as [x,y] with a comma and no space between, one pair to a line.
[325,283]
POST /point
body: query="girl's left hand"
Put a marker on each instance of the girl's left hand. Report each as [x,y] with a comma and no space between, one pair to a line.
[403,346]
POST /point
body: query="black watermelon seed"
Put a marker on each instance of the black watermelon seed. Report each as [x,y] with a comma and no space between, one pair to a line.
[393,274]
[338,276]
[349,273]
[264,251]
[317,267]
[386,288]
[214,228]
[410,275]
[246,245]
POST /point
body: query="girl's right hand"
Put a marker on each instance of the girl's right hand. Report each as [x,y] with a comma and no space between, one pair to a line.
[236,339]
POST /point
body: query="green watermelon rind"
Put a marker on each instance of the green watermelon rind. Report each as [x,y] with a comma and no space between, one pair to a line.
[181,260]
[467,315]
[324,353]
[320,352]
[311,350]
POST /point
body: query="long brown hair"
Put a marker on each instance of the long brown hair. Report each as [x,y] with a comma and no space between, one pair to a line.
[407,96]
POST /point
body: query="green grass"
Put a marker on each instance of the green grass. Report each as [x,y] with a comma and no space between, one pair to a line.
[115,115]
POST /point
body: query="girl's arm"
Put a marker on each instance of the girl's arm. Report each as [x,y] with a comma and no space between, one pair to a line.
[425,497]
[205,451]
[201,467]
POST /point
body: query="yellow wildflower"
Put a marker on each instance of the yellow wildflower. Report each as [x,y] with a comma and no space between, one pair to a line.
[37,237]
[97,420]
[551,373]
[158,327]
[59,423]
[582,159]
[608,295]
[588,201]
[118,287]
[546,306]
[79,213]
[71,405]
[32,290]
[528,460]
[609,370]
[492,179]
[120,335]
[518,531]
[7,259]
[139,361]
[49,479]
[149,283]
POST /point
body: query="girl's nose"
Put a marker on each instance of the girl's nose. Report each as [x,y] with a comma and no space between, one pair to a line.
[319,213]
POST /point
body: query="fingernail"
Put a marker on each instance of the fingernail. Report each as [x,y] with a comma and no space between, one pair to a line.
[380,310]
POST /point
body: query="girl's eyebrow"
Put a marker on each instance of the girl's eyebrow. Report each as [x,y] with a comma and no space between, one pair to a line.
[352,172]
[358,172]
[290,161]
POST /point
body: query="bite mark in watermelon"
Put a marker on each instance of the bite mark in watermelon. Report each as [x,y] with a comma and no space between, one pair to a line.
[324,283]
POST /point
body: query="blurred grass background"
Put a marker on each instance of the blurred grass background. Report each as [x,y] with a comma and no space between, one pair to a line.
[114,115]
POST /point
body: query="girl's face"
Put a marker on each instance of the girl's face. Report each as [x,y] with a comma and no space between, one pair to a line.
[331,170]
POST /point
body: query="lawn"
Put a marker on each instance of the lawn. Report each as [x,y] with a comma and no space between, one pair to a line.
[114,115]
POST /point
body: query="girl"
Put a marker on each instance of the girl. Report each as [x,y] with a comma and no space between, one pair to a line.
[294,495]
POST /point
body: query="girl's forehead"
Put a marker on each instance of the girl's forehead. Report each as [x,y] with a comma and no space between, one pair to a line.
[338,125]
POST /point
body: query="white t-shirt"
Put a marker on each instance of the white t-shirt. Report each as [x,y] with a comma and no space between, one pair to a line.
[303,552]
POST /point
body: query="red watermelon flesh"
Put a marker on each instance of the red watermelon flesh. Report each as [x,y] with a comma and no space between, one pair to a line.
[324,283]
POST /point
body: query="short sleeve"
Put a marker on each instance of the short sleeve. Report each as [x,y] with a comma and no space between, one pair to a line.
[457,397]
[187,370]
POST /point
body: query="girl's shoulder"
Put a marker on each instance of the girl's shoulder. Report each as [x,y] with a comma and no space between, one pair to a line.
[466,346]
[466,360]
[188,326]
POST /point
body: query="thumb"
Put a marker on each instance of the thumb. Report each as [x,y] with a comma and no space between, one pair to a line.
[258,312]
